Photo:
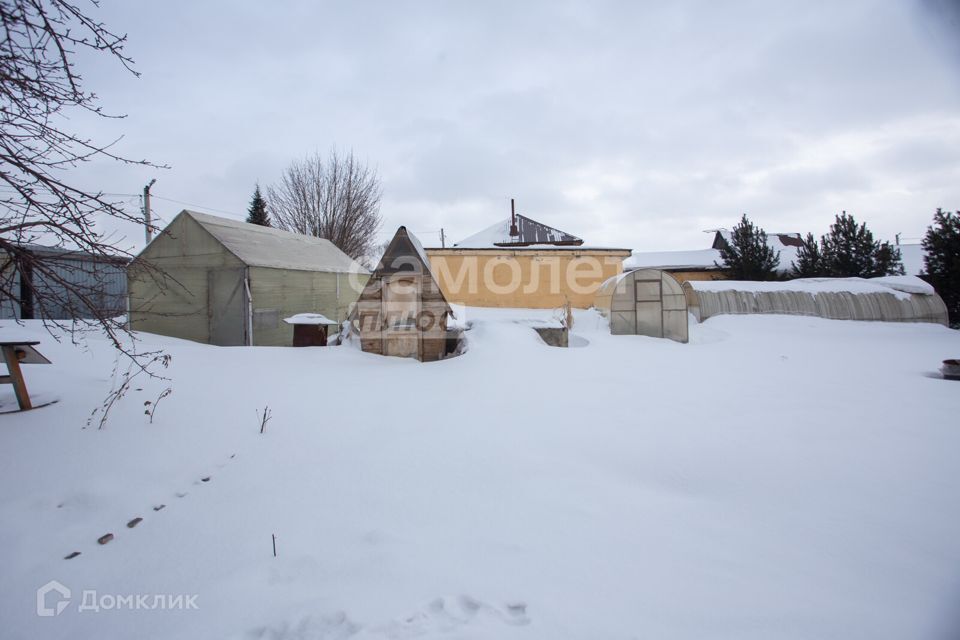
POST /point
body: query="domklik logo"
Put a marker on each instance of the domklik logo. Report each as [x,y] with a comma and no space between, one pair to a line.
[59,601]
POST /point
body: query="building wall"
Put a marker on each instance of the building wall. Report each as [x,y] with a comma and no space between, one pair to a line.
[100,282]
[280,293]
[175,303]
[536,279]
[702,275]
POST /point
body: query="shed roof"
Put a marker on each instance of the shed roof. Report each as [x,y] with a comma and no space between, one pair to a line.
[405,254]
[259,246]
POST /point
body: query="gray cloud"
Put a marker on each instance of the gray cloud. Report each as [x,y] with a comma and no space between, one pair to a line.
[622,122]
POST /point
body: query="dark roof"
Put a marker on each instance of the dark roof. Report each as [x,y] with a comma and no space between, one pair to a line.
[533,232]
[528,232]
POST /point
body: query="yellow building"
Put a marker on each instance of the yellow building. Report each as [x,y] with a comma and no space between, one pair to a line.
[520,262]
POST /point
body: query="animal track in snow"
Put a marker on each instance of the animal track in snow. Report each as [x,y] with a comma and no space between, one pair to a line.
[104,539]
[448,614]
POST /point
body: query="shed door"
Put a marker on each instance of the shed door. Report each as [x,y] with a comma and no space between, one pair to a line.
[400,309]
[649,308]
[227,306]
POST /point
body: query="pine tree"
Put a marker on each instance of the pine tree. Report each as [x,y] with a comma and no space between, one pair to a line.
[257,213]
[809,263]
[887,261]
[849,251]
[941,246]
[747,256]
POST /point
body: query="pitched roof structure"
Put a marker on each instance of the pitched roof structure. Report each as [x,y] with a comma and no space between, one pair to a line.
[259,246]
[707,259]
[404,255]
[528,232]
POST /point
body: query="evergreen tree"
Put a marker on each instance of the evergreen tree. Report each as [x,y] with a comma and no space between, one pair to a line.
[257,213]
[747,256]
[887,261]
[809,263]
[849,251]
[941,246]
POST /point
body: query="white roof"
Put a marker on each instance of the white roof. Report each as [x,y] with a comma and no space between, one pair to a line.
[259,246]
[912,255]
[697,259]
[487,239]
[309,318]
[700,259]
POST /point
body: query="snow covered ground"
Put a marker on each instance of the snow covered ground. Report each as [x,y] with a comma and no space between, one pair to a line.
[778,477]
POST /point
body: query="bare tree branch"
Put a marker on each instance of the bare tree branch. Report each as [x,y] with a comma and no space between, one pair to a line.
[39,86]
[337,199]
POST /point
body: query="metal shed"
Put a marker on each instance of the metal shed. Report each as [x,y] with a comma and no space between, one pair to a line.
[401,311]
[70,285]
[225,282]
[645,302]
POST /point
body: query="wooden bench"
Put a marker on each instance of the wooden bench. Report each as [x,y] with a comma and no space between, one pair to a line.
[14,354]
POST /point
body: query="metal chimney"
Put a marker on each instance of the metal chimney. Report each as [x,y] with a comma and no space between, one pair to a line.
[514,232]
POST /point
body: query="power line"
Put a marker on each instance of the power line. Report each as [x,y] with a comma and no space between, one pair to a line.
[198,206]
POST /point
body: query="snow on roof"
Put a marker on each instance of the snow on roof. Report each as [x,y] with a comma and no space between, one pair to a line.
[529,232]
[900,286]
[699,259]
[309,318]
[259,246]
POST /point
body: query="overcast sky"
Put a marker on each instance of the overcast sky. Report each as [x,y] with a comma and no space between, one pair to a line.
[626,123]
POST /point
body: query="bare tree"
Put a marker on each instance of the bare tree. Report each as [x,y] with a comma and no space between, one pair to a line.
[39,88]
[337,198]
[69,274]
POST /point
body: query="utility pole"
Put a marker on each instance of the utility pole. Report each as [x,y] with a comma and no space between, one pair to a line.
[146,211]
[443,239]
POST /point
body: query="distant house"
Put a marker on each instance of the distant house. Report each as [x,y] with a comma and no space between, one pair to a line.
[225,282]
[401,311]
[520,262]
[701,264]
[72,285]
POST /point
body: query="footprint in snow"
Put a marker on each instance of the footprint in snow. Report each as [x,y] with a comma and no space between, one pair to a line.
[448,614]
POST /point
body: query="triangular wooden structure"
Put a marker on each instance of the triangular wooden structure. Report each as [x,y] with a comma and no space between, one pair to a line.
[401,311]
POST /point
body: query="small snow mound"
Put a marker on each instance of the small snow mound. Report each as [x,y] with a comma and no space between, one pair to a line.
[577,341]
[907,284]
